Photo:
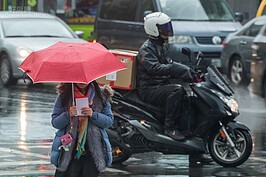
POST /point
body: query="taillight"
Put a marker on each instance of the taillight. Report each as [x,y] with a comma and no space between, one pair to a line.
[92,40]
[255,49]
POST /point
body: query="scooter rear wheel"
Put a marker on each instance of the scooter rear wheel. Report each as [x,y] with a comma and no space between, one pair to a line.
[227,156]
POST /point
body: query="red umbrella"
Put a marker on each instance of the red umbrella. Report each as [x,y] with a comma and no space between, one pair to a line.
[70,62]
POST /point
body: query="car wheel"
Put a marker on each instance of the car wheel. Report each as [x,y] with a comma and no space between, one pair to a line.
[237,73]
[6,72]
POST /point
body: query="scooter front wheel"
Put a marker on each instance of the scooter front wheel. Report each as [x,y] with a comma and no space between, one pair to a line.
[227,156]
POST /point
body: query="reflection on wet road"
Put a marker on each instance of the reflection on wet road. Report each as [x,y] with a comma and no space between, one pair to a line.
[25,112]
[26,135]
[253,114]
[152,164]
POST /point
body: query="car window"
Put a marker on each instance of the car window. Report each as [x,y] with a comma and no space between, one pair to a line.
[215,10]
[34,28]
[254,29]
[119,10]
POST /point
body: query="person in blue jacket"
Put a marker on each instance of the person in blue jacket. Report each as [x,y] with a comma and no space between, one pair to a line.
[89,152]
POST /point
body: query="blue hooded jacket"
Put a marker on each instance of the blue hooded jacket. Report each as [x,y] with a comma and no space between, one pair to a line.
[102,118]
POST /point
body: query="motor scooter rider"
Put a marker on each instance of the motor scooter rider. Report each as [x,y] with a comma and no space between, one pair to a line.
[155,70]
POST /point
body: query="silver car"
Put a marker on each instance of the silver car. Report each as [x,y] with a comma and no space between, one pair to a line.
[24,32]
[237,52]
[258,66]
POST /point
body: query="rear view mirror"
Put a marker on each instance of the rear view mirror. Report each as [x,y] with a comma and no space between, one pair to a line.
[199,58]
[186,51]
[79,34]
[239,16]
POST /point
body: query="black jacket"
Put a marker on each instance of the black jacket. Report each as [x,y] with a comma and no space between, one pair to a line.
[154,67]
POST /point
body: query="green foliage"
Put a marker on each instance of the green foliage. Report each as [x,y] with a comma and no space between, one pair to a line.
[87,29]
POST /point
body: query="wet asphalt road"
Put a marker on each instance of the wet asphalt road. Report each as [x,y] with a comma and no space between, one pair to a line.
[26,135]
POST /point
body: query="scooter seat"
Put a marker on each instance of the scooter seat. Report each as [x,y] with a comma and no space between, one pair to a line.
[133,98]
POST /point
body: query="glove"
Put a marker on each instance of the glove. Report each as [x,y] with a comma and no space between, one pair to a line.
[194,75]
[180,71]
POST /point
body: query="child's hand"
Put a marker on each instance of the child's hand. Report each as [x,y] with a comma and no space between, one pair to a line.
[86,111]
[72,111]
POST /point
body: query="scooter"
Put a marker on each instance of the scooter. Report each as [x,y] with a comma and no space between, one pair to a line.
[211,115]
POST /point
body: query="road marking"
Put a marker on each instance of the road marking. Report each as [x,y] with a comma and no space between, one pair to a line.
[9,150]
[42,160]
[19,163]
[258,159]
[28,144]
[27,173]
[114,170]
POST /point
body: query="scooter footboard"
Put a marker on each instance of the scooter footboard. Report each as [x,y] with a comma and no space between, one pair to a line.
[191,145]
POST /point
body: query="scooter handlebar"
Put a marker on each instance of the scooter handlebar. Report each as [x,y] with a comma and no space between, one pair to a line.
[196,72]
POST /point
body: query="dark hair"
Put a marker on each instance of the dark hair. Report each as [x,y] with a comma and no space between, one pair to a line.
[65,89]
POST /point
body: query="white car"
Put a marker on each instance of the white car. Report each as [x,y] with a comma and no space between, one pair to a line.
[24,32]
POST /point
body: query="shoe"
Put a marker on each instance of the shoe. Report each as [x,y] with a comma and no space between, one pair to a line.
[200,159]
[174,134]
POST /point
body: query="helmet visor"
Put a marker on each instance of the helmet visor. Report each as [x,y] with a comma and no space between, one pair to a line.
[166,29]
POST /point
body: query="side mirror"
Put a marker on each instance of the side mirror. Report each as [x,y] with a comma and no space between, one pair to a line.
[186,51]
[199,58]
[239,16]
[79,34]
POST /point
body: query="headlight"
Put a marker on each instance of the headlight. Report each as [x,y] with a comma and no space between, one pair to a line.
[255,47]
[23,52]
[230,102]
[180,40]
[233,105]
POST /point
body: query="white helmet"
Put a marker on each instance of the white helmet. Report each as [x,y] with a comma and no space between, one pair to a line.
[158,23]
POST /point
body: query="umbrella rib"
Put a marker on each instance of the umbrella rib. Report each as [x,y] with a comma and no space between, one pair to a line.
[81,57]
[84,71]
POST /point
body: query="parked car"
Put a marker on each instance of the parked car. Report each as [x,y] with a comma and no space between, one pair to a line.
[24,32]
[258,66]
[200,25]
[237,52]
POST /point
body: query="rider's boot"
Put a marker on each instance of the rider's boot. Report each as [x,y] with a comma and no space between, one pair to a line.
[199,159]
[175,134]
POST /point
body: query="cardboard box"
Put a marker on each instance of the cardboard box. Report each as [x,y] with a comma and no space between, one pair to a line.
[125,79]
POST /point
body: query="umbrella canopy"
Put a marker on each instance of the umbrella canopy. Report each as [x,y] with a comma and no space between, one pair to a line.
[70,62]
